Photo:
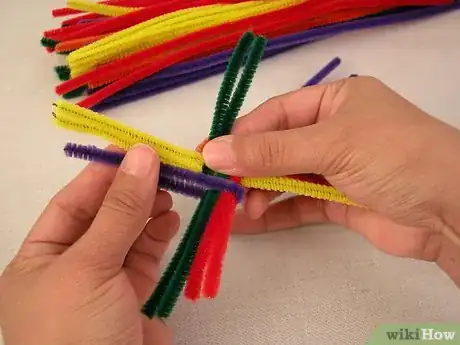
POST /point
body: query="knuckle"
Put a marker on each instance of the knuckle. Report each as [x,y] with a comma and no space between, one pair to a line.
[79,213]
[272,102]
[336,87]
[370,83]
[277,106]
[337,156]
[124,201]
[372,80]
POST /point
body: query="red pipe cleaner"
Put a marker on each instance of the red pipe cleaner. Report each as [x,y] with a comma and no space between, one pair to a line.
[219,227]
[205,273]
[61,12]
[332,6]
[56,34]
[75,20]
[312,178]
[114,24]
[206,269]
[195,279]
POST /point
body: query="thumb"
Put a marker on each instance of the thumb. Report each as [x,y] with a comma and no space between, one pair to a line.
[124,211]
[313,149]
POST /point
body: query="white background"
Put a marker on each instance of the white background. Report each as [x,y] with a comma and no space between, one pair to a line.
[317,285]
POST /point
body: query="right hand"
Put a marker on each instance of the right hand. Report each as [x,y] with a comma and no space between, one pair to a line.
[368,142]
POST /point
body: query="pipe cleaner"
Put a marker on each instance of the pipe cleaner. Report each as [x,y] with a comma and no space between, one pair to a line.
[172,178]
[75,20]
[61,12]
[97,8]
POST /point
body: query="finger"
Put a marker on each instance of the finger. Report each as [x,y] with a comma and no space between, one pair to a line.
[157,332]
[287,214]
[257,202]
[384,234]
[163,203]
[71,211]
[143,260]
[299,108]
[124,211]
[318,149]
[390,237]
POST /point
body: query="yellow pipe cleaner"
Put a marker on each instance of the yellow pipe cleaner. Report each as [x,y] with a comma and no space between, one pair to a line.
[163,28]
[105,10]
[73,117]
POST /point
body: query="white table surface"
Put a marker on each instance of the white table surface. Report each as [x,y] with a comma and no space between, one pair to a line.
[316,285]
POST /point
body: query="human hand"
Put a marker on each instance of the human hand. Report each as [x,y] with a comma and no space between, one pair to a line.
[368,142]
[91,260]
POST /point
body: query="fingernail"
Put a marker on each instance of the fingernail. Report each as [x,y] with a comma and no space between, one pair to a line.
[139,161]
[218,154]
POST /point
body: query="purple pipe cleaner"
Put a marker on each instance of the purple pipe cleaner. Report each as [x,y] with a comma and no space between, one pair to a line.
[154,86]
[166,181]
[93,153]
[209,182]
[213,60]
[184,181]
[94,20]
[141,91]
[183,70]
[181,186]
[324,72]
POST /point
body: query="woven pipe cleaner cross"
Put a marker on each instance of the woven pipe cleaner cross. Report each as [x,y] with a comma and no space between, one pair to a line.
[197,262]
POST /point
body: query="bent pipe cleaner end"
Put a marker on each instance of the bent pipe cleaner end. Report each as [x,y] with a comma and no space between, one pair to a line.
[170,176]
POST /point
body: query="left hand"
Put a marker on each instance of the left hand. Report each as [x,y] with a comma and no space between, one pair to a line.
[91,261]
